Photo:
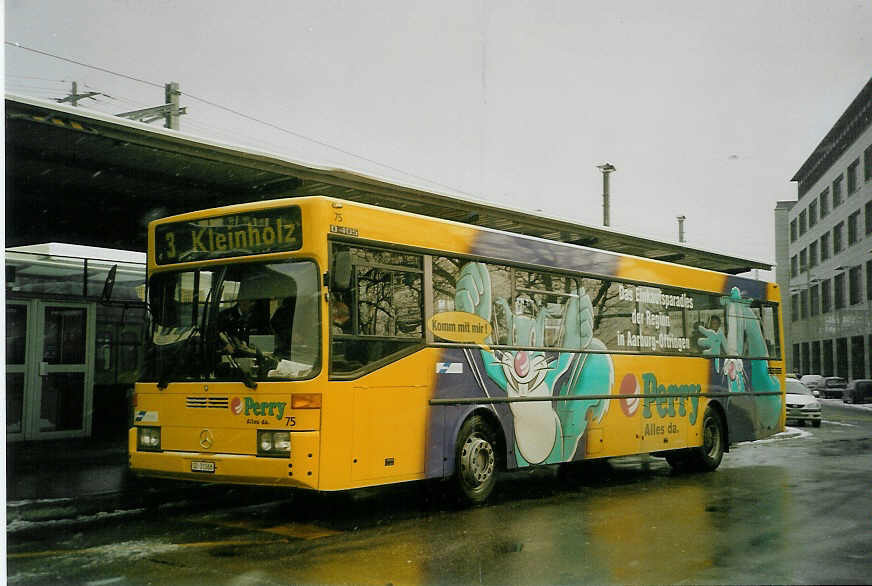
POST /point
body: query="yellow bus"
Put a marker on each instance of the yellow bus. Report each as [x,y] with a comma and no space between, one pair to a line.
[327,345]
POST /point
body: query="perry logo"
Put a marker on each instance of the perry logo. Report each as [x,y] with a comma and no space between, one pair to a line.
[248,406]
[666,405]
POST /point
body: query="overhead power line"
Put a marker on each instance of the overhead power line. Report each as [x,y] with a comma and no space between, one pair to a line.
[241,115]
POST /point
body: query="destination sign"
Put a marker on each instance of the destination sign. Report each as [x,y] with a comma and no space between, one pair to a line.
[260,232]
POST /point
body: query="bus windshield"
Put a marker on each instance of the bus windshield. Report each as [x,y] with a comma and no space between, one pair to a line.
[246,322]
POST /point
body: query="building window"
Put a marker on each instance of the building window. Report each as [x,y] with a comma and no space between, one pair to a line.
[839,291]
[826,298]
[794,307]
[867,163]
[852,176]
[802,223]
[853,224]
[803,260]
[794,266]
[825,246]
[837,192]
[825,202]
[803,303]
[828,358]
[814,300]
[837,237]
[812,214]
[855,295]
[869,279]
[813,254]
[793,230]
[806,363]
[868,218]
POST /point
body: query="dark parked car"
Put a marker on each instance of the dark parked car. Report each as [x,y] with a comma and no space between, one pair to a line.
[858,391]
[834,387]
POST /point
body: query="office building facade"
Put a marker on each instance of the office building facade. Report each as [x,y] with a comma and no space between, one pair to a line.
[824,252]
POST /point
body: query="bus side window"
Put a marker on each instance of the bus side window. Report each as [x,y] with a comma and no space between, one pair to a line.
[612,313]
[381,313]
[445,273]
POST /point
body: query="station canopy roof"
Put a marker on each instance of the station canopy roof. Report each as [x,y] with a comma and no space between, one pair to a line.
[80,176]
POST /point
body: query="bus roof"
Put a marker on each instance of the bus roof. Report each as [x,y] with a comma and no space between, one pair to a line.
[182,172]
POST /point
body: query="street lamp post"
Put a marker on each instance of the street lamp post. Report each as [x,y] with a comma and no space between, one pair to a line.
[606,168]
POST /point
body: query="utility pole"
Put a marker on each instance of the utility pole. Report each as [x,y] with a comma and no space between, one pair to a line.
[606,168]
[169,112]
[75,96]
[681,220]
[171,97]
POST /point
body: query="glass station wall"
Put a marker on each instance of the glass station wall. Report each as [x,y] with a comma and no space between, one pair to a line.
[71,355]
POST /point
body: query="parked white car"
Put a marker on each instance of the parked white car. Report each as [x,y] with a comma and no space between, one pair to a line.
[802,405]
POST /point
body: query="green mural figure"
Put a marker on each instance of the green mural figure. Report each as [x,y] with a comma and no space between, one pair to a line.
[546,431]
[744,338]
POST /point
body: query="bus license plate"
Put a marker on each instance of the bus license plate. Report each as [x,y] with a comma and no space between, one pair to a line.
[197,466]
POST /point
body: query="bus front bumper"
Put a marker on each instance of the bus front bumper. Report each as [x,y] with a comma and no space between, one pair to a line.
[299,471]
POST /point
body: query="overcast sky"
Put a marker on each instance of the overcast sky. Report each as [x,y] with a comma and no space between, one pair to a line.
[706,108]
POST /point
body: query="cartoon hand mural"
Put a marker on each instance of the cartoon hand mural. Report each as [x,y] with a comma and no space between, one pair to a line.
[543,433]
[713,342]
[744,329]
[749,331]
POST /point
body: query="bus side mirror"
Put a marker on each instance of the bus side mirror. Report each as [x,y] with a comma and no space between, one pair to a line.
[341,271]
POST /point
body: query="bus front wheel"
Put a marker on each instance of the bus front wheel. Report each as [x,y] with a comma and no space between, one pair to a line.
[476,460]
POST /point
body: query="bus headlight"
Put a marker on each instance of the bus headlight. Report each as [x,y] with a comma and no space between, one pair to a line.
[149,438]
[274,444]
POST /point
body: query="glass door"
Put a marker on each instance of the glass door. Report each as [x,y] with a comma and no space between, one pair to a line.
[17,338]
[64,393]
[49,369]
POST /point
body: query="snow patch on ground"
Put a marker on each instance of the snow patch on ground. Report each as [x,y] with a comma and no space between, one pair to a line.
[30,578]
[131,550]
[788,433]
[21,524]
[30,502]
[861,406]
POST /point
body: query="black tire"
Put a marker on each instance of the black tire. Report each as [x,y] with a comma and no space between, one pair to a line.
[476,461]
[708,456]
[677,459]
[816,422]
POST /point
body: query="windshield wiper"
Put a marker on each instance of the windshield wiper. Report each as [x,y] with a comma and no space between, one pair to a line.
[166,373]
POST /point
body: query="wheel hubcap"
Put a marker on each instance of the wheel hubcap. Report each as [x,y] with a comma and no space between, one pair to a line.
[477,460]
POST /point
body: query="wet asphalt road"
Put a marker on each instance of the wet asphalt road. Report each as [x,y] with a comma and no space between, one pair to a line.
[794,509]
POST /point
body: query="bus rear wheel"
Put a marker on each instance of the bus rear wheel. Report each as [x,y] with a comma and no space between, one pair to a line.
[476,460]
[708,456]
